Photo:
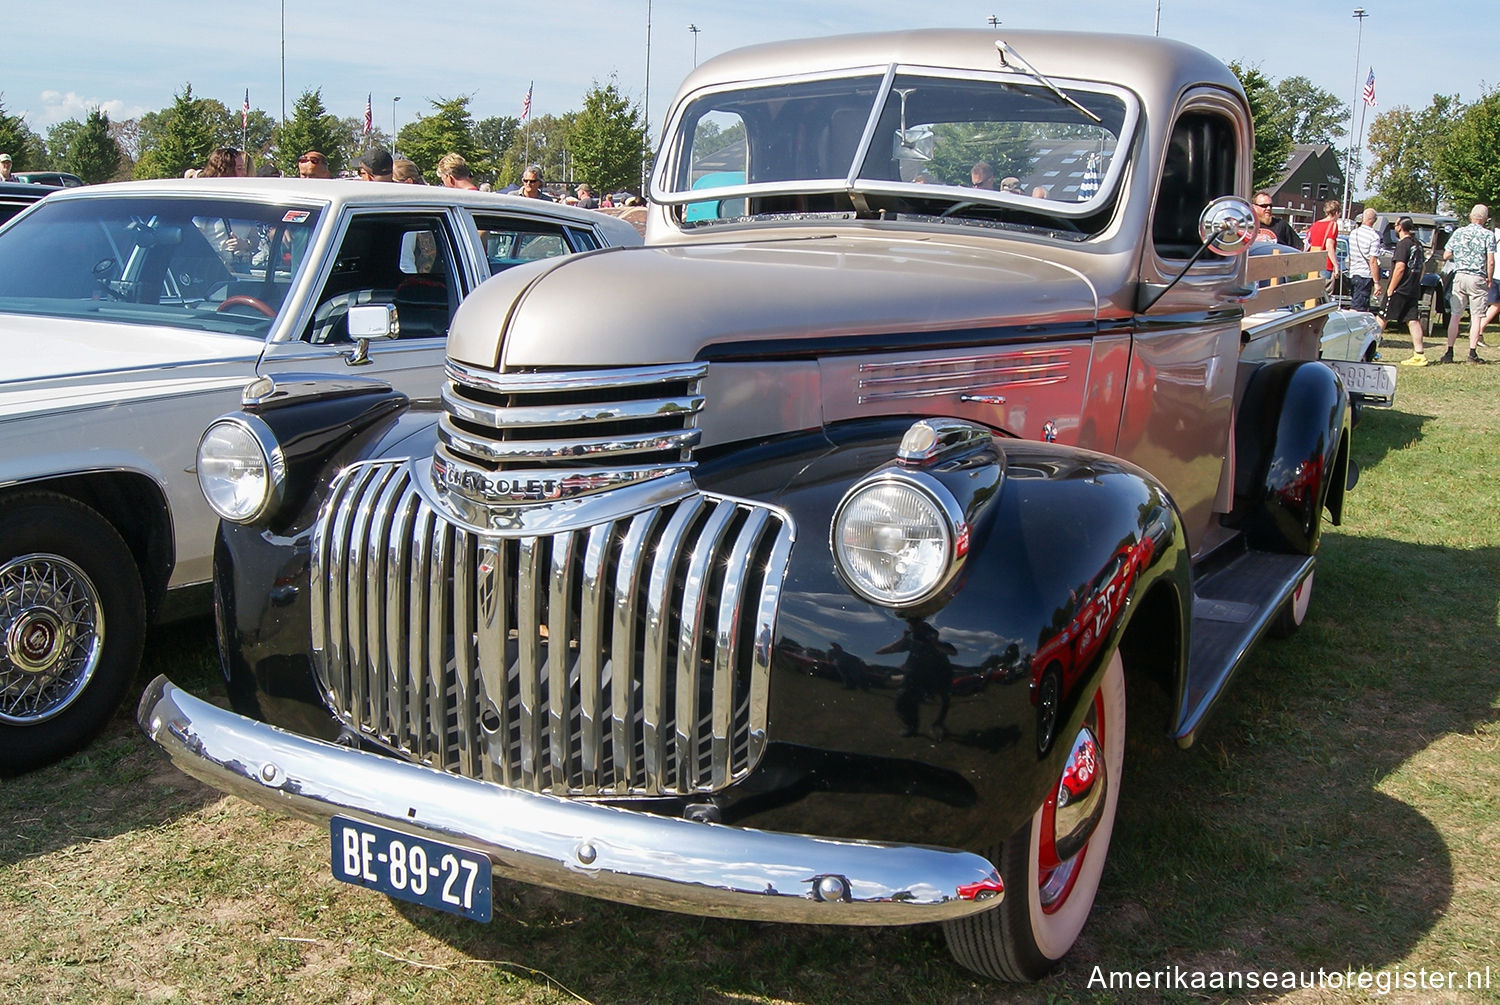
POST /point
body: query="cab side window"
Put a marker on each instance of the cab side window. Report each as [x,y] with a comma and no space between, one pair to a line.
[405,259]
[1200,167]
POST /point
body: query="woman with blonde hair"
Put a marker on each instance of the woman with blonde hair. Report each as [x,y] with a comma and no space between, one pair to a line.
[1324,236]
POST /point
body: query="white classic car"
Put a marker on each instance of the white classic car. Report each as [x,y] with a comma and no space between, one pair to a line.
[130,316]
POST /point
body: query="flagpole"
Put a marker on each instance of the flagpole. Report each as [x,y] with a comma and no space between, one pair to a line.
[1360,15]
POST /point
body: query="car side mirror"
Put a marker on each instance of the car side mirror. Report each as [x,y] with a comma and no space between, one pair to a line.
[1226,226]
[367,323]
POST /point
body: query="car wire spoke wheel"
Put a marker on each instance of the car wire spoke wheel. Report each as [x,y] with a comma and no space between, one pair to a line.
[53,629]
[1051,866]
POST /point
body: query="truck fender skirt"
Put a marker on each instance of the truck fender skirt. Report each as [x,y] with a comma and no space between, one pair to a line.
[1291,443]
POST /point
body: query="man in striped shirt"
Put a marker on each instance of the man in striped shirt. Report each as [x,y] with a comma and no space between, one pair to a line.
[1364,261]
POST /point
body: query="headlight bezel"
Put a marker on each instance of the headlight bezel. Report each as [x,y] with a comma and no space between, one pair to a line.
[949,516]
[272,462]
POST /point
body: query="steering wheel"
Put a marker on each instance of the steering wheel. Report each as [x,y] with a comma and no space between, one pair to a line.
[240,298]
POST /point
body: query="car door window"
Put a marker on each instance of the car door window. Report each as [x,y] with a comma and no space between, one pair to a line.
[404,259]
[512,241]
[1200,166]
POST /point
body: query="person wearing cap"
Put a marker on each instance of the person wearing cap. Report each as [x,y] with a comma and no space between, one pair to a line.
[313,165]
[5,172]
[1010,183]
[377,165]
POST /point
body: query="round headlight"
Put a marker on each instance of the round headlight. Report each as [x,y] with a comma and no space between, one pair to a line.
[240,468]
[893,540]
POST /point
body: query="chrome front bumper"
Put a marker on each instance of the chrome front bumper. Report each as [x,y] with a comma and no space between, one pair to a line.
[580,847]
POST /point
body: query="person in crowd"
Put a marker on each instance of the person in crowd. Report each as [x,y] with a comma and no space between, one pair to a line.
[981,175]
[531,184]
[1040,192]
[5,172]
[1471,249]
[1010,183]
[453,172]
[1404,289]
[607,202]
[586,198]
[1364,262]
[376,165]
[407,173]
[313,165]
[225,162]
[1324,236]
[1279,228]
[268,171]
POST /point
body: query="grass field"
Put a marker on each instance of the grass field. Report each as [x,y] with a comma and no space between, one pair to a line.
[1340,811]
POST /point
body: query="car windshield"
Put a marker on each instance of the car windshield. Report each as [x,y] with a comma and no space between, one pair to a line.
[208,264]
[998,147]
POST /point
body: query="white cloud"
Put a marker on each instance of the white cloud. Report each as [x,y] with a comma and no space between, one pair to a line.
[59,107]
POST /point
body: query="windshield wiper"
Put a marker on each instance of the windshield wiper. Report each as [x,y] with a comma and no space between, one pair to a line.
[1005,49]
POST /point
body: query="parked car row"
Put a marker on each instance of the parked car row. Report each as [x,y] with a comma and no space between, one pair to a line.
[131,316]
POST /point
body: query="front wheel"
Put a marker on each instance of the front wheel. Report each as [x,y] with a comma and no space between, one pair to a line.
[1294,611]
[1051,866]
[72,622]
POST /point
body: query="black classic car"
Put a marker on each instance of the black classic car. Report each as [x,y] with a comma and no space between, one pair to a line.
[806,588]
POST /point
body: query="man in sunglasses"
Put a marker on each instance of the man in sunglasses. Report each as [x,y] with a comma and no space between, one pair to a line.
[531,184]
[377,165]
[313,165]
[1264,221]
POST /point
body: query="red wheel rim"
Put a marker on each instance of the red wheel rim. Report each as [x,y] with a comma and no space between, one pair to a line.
[1054,878]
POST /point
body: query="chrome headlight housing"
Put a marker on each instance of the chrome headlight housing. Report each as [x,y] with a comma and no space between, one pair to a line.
[241,468]
[898,537]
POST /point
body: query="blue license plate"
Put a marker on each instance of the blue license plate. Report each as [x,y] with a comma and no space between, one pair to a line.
[412,868]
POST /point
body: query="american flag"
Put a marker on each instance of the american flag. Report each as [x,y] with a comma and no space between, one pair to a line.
[526,102]
[1370,88]
[245,111]
[369,117]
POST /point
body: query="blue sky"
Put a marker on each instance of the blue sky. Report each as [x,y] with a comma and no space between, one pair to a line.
[131,57]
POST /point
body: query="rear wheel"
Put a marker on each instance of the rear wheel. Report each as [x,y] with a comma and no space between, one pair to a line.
[72,621]
[1051,866]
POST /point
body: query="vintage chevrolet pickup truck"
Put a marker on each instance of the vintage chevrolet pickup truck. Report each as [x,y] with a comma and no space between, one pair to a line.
[792,566]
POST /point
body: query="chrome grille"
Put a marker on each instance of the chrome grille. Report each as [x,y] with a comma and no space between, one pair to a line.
[627,657]
[521,437]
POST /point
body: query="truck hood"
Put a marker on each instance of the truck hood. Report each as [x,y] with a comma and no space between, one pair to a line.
[57,361]
[665,304]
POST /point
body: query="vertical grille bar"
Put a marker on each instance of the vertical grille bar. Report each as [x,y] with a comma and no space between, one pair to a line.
[350,554]
[628,591]
[528,631]
[404,726]
[418,688]
[656,668]
[727,643]
[559,631]
[492,630]
[435,659]
[760,655]
[591,625]
[695,594]
[464,666]
[377,580]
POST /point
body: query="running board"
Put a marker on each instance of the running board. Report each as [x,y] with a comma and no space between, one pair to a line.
[1232,608]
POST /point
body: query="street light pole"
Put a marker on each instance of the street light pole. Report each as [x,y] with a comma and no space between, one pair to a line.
[1359,15]
[393,125]
[646,105]
[695,30]
[283,62]
[994,21]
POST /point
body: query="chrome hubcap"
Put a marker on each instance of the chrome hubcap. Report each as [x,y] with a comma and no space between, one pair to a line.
[52,624]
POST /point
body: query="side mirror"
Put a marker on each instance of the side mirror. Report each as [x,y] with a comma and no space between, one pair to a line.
[1227,226]
[367,323]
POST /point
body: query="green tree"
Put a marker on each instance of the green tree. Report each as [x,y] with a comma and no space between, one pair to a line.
[179,137]
[1310,114]
[1273,138]
[544,142]
[92,154]
[1403,147]
[496,134]
[59,137]
[606,139]
[449,129]
[26,149]
[355,141]
[1468,162]
[310,127]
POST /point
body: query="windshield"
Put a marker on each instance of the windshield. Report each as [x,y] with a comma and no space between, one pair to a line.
[996,147]
[206,264]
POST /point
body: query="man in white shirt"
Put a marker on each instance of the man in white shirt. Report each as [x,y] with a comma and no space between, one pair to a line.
[1364,261]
